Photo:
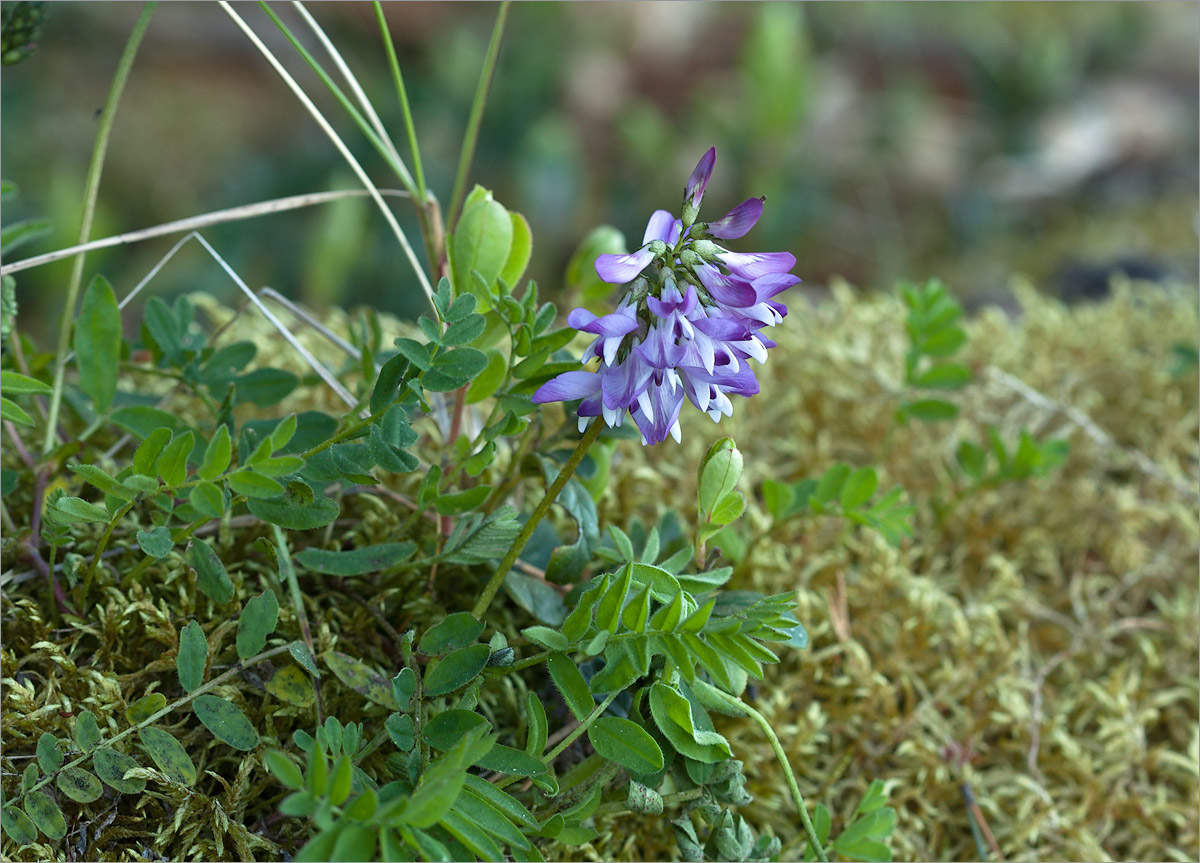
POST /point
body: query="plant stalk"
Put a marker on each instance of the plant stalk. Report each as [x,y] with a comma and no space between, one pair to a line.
[745,709]
[568,470]
[91,193]
[475,118]
[287,573]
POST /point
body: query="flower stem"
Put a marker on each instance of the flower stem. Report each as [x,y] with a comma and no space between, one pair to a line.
[485,599]
[474,120]
[739,706]
[95,168]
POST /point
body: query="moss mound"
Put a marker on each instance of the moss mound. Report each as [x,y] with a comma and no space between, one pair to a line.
[1023,672]
[1034,647]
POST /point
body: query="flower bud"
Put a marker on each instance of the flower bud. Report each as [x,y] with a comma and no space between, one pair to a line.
[693,194]
[708,250]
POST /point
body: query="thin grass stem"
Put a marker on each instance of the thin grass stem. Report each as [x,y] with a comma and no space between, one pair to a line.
[405,109]
[333,136]
[91,193]
[192,223]
[351,82]
[475,118]
[385,148]
[427,210]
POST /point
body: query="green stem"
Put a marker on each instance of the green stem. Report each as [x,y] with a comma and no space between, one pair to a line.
[583,726]
[81,599]
[736,704]
[237,669]
[348,432]
[91,193]
[485,599]
[570,738]
[344,100]
[617,807]
[409,126]
[287,573]
[476,117]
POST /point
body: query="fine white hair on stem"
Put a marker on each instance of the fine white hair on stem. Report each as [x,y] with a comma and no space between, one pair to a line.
[337,142]
[356,89]
[193,223]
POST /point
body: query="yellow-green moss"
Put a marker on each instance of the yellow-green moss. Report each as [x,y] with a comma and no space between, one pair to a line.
[1064,607]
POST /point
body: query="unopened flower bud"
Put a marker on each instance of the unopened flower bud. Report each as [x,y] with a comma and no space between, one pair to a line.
[707,249]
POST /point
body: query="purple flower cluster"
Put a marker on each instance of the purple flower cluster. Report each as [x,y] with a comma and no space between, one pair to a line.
[688,323]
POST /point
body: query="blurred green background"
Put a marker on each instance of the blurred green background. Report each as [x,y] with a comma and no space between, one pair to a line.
[892,140]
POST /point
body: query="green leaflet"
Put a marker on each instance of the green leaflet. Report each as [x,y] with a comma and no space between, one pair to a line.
[156,542]
[292,685]
[570,683]
[362,678]
[44,812]
[79,785]
[98,343]
[626,743]
[445,729]
[456,669]
[672,714]
[535,716]
[192,657]
[170,756]
[145,707]
[257,621]
[87,732]
[111,766]
[453,632]
[358,561]
[17,826]
[211,578]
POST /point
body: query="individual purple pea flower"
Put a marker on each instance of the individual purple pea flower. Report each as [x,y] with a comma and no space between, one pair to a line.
[693,193]
[662,230]
[738,221]
[610,330]
[687,325]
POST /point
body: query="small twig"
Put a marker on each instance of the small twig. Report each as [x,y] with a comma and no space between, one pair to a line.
[979,823]
[192,223]
[19,445]
[839,610]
